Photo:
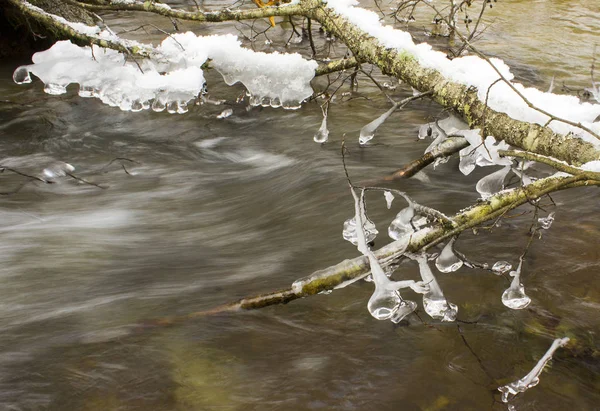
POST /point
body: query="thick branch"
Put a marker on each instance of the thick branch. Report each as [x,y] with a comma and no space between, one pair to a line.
[65,29]
[462,99]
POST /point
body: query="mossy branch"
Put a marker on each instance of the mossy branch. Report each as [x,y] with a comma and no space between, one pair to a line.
[462,99]
[200,16]
[349,271]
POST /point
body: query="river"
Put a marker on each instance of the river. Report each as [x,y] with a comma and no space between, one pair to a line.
[200,211]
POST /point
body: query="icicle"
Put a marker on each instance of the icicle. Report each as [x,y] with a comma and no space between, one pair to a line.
[225,113]
[434,302]
[385,303]
[492,183]
[551,88]
[349,231]
[533,377]
[389,197]
[323,133]
[514,296]
[368,131]
[441,136]
[467,160]
[447,261]
[501,267]
[546,222]
[401,224]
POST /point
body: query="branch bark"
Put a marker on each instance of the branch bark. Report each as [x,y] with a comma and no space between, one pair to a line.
[460,98]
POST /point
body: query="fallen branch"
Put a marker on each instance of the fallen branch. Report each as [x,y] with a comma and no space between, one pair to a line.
[349,271]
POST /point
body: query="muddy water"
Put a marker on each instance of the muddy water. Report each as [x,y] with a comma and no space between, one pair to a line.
[209,210]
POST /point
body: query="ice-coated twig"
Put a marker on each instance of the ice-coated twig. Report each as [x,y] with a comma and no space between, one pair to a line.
[368,131]
[322,134]
[448,261]
[532,378]
[434,302]
[386,302]
[514,296]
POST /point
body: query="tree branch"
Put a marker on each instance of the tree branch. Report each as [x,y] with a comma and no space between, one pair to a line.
[210,16]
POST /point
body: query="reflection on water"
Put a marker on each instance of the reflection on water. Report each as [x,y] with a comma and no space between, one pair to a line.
[200,211]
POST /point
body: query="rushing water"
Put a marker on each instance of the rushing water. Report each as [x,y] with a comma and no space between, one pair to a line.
[211,210]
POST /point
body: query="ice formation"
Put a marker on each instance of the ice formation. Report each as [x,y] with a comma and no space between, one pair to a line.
[174,75]
[401,225]
[501,267]
[546,222]
[492,183]
[389,197]
[448,261]
[514,296]
[323,133]
[225,113]
[350,233]
[533,377]
[386,302]
[434,302]
[475,71]
[368,132]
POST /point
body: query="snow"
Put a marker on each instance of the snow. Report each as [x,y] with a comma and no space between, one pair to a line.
[475,71]
[174,76]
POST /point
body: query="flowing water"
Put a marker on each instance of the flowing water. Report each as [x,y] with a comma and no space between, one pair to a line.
[196,211]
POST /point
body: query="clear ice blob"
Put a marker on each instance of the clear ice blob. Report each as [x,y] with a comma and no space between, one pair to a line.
[158,105]
[439,308]
[182,107]
[406,307]
[172,107]
[514,296]
[21,75]
[546,222]
[349,231]
[447,261]
[225,113]
[55,89]
[401,224]
[254,100]
[275,102]
[501,267]
[383,304]
[492,183]
[467,160]
[434,302]
[323,133]
[368,131]
[291,105]
[389,197]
